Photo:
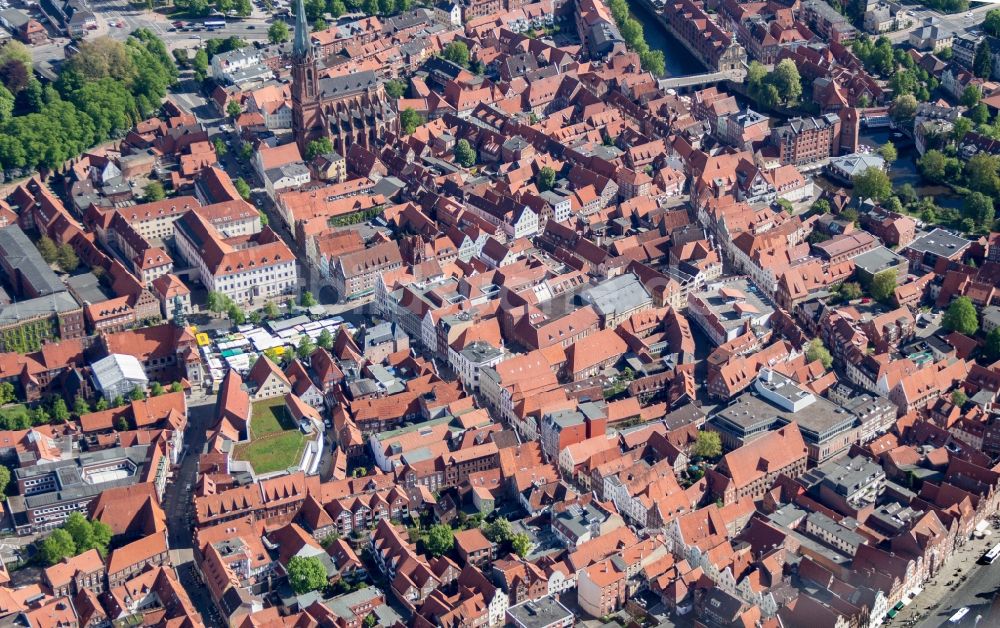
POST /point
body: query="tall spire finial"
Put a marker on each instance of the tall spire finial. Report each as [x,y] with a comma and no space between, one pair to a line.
[301,46]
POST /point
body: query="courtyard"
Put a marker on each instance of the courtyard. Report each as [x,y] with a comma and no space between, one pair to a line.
[276,442]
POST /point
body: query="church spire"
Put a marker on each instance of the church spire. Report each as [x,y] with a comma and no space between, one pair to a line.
[301,47]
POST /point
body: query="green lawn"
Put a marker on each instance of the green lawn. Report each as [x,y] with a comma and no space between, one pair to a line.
[276,443]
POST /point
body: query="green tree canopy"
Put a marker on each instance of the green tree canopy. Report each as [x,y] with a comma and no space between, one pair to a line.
[307,299]
[816,351]
[873,184]
[4,481]
[457,52]
[395,88]
[545,179]
[440,539]
[958,397]
[153,192]
[982,64]
[321,146]
[305,347]
[325,339]
[888,152]
[970,96]
[306,574]
[883,286]
[521,544]
[961,316]
[242,188]
[409,119]
[979,208]
[80,406]
[498,531]
[278,33]
[992,349]
[67,258]
[233,109]
[464,153]
[903,108]
[708,445]
[57,546]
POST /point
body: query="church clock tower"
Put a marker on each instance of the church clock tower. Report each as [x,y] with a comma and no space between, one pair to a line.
[306,119]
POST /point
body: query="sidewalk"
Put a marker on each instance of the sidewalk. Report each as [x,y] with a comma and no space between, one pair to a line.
[957,566]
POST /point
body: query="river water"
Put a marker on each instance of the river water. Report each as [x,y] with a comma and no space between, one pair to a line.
[678,61]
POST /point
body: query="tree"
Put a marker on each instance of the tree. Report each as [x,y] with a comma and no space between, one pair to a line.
[521,544]
[305,347]
[153,192]
[991,23]
[233,109]
[325,339]
[873,184]
[464,153]
[821,206]
[321,146]
[961,317]
[81,531]
[457,52]
[7,393]
[395,88]
[786,205]
[982,64]
[307,299]
[235,314]
[14,50]
[200,64]
[278,33]
[220,147]
[118,402]
[370,621]
[67,258]
[176,387]
[242,187]
[80,406]
[155,389]
[216,302]
[545,179]
[271,310]
[961,127]
[816,351]
[410,120]
[306,574]
[101,405]
[498,531]
[888,152]
[850,291]
[246,151]
[992,348]
[959,398]
[903,108]
[787,80]
[60,413]
[970,96]
[883,286]
[981,172]
[47,248]
[979,208]
[14,75]
[440,539]
[4,481]
[57,546]
[907,194]
[708,445]
[137,394]
[980,114]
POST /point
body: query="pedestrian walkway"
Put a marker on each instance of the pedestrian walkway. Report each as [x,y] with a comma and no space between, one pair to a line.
[949,578]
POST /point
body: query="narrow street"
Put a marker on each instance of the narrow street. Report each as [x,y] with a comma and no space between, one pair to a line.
[179,505]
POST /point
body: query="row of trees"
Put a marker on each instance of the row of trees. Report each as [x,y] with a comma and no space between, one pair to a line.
[631,30]
[101,92]
[201,8]
[62,255]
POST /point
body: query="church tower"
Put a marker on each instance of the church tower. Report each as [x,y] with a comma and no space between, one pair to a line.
[306,119]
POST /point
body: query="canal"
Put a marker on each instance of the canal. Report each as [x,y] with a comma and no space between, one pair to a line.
[678,61]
